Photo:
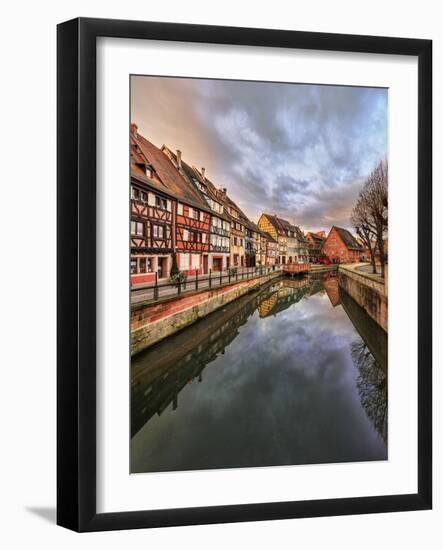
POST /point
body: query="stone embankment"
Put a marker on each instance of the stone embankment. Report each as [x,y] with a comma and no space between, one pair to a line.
[368,290]
[152,322]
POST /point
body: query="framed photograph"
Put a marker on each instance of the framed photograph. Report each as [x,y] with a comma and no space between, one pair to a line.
[244,274]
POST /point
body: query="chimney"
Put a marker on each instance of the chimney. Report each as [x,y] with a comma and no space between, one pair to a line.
[134,129]
[224,191]
[203,170]
[179,159]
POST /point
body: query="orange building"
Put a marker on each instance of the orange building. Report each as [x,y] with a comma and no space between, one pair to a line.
[342,247]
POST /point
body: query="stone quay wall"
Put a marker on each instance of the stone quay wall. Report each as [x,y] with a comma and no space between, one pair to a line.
[369,291]
[151,323]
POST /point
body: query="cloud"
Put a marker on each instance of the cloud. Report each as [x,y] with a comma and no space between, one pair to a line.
[301,151]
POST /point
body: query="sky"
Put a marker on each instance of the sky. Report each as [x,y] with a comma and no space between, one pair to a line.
[300,151]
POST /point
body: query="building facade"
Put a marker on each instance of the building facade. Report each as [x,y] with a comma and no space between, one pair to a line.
[152,232]
[270,250]
[237,234]
[315,244]
[341,246]
[176,217]
[220,226]
[292,245]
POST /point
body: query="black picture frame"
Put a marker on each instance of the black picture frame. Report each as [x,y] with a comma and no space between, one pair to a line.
[76,280]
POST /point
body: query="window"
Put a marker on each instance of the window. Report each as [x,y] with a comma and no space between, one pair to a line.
[184,262]
[195,237]
[193,213]
[137,228]
[133,265]
[179,209]
[202,216]
[135,193]
[158,231]
[203,237]
[148,171]
[144,196]
[146,265]
[161,203]
[185,235]
[195,261]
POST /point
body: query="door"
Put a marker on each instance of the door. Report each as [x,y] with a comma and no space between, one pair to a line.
[205,263]
[161,270]
[217,264]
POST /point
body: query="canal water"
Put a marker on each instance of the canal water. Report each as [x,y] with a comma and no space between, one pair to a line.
[295,373]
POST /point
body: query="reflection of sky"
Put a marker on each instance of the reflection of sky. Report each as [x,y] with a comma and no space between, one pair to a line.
[301,151]
[282,393]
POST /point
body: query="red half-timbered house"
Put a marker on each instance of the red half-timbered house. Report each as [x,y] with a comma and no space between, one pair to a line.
[190,214]
[151,232]
[216,257]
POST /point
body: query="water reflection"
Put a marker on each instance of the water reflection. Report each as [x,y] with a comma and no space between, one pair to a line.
[281,376]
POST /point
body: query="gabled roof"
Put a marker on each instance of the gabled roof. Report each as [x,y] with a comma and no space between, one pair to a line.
[173,182]
[316,238]
[268,236]
[283,226]
[348,239]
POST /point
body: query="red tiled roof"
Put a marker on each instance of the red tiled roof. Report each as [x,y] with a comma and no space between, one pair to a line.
[172,180]
[346,236]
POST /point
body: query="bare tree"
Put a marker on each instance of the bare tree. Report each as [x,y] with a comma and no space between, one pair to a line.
[370,215]
[362,222]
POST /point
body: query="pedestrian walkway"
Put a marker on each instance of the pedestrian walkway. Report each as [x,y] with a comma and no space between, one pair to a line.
[142,293]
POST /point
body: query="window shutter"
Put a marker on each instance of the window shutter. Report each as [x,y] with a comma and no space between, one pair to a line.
[151,199]
[168,205]
[180,208]
[185,235]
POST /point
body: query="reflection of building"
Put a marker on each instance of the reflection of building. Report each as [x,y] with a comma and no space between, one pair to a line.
[332,290]
[160,373]
[289,292]
[341,246]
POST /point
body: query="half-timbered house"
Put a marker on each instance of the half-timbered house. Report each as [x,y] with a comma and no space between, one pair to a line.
[151,230]
[269,224]
[193,218]
[315,244]
[271,250]
[190,214]
[293,247]
[220,226]
[237,248]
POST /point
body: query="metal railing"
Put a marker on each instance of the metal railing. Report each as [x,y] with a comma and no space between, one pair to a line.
[197,282]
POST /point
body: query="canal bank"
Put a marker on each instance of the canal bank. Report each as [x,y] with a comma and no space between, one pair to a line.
[282,375]
[368,290]
[151,323]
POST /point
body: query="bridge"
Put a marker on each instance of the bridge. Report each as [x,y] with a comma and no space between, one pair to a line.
[292,269]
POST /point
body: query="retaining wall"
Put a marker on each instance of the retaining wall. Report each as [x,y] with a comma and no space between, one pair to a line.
[369,292]
[152,322]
